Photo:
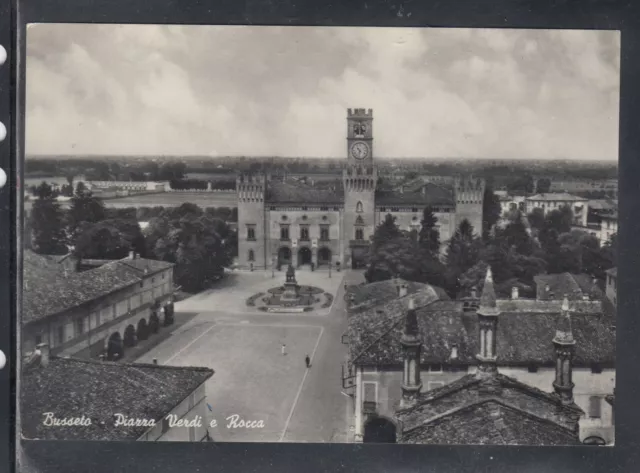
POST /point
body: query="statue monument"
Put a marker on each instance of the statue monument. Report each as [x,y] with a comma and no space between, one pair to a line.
[291,288]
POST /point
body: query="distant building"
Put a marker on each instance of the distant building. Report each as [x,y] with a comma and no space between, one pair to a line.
[102,310]
[555,201]
[69,388]
[584,185]
[608,227]
[612,285]
[449,345]
[282,221]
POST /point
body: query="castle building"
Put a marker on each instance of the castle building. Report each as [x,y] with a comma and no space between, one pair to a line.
[285,221]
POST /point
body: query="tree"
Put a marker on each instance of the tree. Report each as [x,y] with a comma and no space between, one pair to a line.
[536,219]
[109,239]
[386,231]
[47,223]
[521,185]
[84,208]
[429,235]
[199,245]
[463,250]
[543,185]
[491,211]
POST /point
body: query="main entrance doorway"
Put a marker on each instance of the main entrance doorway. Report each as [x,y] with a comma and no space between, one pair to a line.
[304,256]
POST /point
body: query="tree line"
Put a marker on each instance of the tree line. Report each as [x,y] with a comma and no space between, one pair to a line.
[525,247]
[200,242]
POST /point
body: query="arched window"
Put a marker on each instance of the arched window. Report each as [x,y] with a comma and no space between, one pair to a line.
[251,255]
[359,207]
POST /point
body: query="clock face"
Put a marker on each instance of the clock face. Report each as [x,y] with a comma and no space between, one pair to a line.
[359,150]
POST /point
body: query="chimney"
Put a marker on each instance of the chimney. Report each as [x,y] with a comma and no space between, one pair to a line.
[43,348]
[402,290]
[515,293]
[411,348]
[564,345]
[488,322]
[132,255]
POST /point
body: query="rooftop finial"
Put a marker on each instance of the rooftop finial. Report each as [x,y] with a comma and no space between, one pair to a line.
[488,304]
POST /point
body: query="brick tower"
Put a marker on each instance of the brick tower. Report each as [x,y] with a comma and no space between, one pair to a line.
[252,236]
[360,177]
[469,195]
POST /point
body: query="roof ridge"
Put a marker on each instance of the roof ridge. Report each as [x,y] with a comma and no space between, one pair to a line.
[537,391]
[497,400]
[131,364]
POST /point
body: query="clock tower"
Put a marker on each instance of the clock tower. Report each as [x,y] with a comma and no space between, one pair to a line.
[360,137]
[359,178]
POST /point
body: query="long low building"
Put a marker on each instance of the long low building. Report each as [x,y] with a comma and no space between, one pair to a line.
[99,311]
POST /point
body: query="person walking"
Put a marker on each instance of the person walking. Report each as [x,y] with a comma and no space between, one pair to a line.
[284,349]
[307,361]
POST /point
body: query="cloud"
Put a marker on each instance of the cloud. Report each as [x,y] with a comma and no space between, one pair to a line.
[264,91]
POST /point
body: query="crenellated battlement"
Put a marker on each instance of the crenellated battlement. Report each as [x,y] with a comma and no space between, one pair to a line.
[358,178]
[251,187]
[469,189]
[360,113]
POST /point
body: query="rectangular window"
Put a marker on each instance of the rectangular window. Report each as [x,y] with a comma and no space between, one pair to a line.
[336,209]
[383,209]
[80,326]
[324,208]
[395,209]
[304,233]
[532,369]
[284,232]
[595,405]
[324,233]
[435,368]
[359,234]
[370,392]
[304,208]
[434,385]
[369,369]
[596,368]
[414,209]
[60,335]
[251,232]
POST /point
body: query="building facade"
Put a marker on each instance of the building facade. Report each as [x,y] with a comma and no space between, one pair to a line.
[299,222]
[100,311]
[555,201]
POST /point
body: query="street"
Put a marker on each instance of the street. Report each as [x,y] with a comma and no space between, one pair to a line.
[253,380]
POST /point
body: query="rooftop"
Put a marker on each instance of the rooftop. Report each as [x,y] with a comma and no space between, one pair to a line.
[71,388]
[301,192]
[557,196]
[524,336]
[429,193]
[574,286]
[489,409]
[48,289]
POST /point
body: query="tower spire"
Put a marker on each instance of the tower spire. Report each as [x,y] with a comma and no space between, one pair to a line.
[564,345]
[488,322]
[411,348]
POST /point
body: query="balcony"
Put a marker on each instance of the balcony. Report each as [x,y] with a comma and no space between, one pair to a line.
[363,243]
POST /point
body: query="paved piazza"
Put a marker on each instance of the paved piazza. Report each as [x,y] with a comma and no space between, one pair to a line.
[252,378]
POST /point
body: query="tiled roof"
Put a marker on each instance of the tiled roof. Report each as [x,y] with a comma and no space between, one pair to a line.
[489,409]
[523,337]
[368,295]
[71,388]
[430,194]
[559,196]
[298,192]
[48,290]
[574,286]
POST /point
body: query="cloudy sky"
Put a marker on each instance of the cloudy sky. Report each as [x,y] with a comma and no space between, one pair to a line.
[283,91]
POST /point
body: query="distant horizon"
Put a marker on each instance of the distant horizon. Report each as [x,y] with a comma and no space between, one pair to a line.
[113,90]
[332,158]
